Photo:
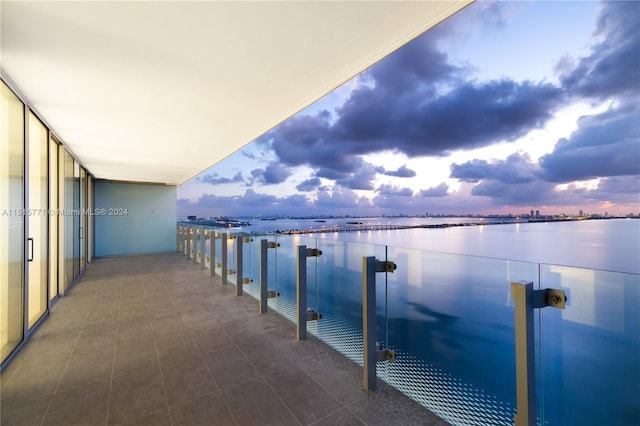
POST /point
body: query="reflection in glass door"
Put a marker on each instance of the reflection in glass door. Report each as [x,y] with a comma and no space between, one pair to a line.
[38,241]
[68,220]
[53,218]
[83,219]
[11,221]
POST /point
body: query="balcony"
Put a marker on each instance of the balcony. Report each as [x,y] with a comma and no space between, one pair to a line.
[155,340]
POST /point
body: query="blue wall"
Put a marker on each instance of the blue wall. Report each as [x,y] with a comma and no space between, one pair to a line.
[134,218]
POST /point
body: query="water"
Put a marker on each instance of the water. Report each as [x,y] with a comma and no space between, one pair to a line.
[612,244]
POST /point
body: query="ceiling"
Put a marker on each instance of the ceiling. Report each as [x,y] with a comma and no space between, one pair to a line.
[158,91]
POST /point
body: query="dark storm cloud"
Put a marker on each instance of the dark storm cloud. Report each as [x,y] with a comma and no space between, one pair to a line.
[309,184]
[403,172]
[613,66]
[273,174]
[606,144]
[416,102]
[215,179]
[517,168]
[441,190]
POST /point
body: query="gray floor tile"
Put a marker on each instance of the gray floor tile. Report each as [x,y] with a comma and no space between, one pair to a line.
[254,403]
[341,417]
[86,405]
[136,396]
[304,396]
[186,379]
[208,409]
[229,367]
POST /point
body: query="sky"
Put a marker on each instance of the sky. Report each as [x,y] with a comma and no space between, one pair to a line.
[504,108]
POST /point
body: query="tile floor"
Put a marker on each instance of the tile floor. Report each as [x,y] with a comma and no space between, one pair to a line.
[153,340]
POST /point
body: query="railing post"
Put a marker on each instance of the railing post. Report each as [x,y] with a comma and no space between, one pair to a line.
[212,252]
[223,257]
[371,353]
[302,313]
[239,278]
[203,237]
[265,294]
[526,300]
[189,238]
[196,231]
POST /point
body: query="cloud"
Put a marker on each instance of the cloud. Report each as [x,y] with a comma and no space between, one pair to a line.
[517,168]
[441,190]
[613,66]
[605,145]
[416,104]
[273,174]
[403,172]
[215,179]
[393,191]
[309,184]
[341,199]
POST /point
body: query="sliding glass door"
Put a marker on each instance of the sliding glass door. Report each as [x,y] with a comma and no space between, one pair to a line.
[38,217]
[12,221]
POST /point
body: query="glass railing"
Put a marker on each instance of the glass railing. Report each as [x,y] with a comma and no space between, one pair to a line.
[449,321]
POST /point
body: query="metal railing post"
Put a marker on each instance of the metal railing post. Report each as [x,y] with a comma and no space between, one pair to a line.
[372,354]
[302,313]
[212,252]
[239,278]
[526,300]
[203,237]
[223,257]
[189,238]
[196,231]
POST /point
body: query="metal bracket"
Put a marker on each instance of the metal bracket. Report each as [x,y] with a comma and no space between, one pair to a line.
[384,354]
[313,315]
[231,271]
[385,266]
[247,280]
[247,240]
[311,252]
[271,294]
[218,265]
[549,297]
[272,244]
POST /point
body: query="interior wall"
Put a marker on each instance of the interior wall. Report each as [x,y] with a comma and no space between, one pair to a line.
[134,218]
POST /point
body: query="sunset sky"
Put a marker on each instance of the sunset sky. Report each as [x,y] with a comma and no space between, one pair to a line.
[504,108]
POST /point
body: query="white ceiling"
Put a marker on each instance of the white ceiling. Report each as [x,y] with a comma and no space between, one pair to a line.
[158,91]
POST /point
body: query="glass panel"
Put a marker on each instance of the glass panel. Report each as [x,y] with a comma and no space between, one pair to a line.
[82,240]
[339,295]
[11,221]
[38,219]
[76,219]
[53,218]
[282,277]
[591,350]
[451,324]
[68,219]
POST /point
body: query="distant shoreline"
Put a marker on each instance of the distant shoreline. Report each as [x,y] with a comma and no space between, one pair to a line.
[355,227]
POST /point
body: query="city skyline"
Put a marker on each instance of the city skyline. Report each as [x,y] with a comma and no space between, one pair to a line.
[506,107]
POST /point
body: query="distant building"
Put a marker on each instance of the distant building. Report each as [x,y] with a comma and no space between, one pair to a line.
[537,213]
